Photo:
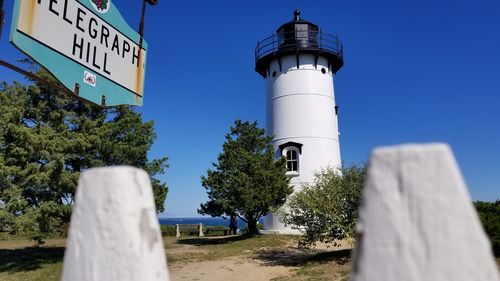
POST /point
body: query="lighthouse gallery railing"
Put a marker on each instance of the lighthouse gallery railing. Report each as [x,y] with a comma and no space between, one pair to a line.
[299,40]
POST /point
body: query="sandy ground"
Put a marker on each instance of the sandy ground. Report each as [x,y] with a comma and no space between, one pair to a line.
[232,269]
[263,266]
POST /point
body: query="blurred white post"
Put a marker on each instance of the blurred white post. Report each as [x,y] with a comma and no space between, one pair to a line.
[200,228]
[417,221]
[114,233]
[177,231]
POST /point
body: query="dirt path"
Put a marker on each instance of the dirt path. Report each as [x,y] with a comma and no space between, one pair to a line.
[242,267]
[233,269]
[190,262]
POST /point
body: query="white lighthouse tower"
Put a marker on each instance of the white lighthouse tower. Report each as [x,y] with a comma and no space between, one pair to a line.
[299,63]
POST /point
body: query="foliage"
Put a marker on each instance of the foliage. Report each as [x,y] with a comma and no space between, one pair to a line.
[167,230]
[327,210]
[489,213]
[47,138]
[215,230]
[216,227]
[7,221]
[247,180]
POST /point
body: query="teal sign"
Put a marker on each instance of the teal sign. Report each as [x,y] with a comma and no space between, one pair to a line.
[85,43]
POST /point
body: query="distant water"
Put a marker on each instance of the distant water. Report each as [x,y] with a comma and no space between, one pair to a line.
[209,221]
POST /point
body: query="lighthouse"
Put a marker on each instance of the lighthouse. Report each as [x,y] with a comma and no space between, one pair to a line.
[299,63]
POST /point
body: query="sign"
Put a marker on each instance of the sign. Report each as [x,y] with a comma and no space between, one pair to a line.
[84,42]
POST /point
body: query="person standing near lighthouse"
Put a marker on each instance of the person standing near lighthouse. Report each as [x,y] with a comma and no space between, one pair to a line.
[233,225]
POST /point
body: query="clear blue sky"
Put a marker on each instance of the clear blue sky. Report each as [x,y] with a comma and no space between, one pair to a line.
[415,71]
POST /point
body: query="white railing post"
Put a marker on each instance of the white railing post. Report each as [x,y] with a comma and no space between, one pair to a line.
[177,231]
[200,227]
[114,232]
[417,221]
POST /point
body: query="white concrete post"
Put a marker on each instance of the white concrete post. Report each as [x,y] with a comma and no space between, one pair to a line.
[114,233]
[177,231]
[417,221]
[200,228]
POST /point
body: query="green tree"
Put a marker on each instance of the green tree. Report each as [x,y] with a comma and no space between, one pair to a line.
[247,180]
[47,138]
[327,209]
[489,213]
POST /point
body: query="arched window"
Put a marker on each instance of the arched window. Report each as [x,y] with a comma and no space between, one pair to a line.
[291,151]
[292,160]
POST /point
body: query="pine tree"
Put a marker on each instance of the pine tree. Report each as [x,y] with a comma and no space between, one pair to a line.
[47,138]
[247,180]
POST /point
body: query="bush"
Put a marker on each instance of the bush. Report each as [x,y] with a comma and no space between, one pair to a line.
[167,230]
[215,230]
[327,209]
[489,213]
[216,227]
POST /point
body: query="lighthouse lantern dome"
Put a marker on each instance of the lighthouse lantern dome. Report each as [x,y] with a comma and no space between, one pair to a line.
[298,36]
[297,33]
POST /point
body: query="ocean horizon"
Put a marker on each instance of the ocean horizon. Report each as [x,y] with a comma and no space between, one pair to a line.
[208,221]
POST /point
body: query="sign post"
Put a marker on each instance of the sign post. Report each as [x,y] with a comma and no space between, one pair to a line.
[2,21]
[85,44]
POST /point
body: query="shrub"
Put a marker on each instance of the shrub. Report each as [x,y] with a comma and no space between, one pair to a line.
[216,227]
[327,209]
[167,230]
[215,230]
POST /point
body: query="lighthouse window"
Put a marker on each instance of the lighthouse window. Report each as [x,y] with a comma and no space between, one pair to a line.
[281,37]
[323,70]
[292,160]
[301,30]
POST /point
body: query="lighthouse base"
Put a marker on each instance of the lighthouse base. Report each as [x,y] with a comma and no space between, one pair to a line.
[273,225]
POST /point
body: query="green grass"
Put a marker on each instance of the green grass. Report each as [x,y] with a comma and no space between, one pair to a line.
[271,250]
[318,266]
[320,272]
[215,248]
[20,260]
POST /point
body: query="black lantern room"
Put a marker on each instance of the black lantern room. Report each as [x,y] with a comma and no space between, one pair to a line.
[298,37]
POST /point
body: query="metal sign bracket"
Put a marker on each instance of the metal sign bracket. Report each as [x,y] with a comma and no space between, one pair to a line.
[49,83]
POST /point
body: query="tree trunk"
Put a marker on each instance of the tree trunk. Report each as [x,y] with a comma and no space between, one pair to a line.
[252,226]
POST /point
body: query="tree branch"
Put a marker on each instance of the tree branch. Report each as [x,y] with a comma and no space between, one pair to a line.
[242,218]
